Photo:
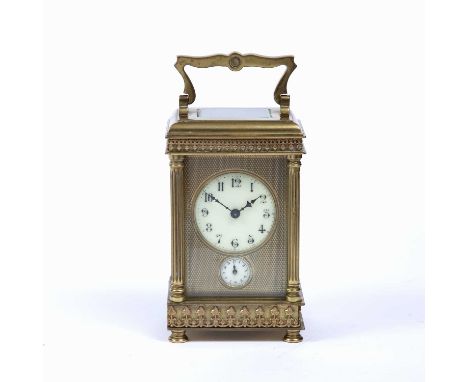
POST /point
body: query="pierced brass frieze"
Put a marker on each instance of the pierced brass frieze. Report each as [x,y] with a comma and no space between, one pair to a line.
[231,316]
[242,146]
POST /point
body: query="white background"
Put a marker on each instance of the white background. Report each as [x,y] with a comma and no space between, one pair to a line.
[108,326]
[110,87]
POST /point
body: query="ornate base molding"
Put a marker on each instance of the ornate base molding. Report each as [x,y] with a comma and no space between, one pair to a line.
[233,316]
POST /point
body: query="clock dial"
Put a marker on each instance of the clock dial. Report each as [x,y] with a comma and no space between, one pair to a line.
[235,212]
[235,272]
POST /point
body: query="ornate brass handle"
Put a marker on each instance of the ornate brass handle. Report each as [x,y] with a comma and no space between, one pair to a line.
[236,61]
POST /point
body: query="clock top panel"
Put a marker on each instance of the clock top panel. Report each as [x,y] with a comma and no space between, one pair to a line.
[238,131]
[241,122]
[235,114]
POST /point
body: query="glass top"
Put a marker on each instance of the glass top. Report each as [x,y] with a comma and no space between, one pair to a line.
[222,113]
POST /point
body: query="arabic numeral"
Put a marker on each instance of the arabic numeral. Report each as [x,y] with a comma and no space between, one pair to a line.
[219,236]
[220,186]
[209,197]
[266,213]
[236,182]
[250,239]
[235,243]
[261,229]
[209,227]
[204,212]
[262,198]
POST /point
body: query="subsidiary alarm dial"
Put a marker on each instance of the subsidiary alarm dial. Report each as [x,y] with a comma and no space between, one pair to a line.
[235,272]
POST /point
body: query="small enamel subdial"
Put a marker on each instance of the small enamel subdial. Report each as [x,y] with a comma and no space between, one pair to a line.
[235,272]
[235,212]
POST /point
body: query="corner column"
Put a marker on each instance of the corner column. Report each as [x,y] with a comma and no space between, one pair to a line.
[177,287]
[294,287]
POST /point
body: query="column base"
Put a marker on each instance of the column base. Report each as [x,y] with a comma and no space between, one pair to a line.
[294,294]
[294,298]
[177,298]
[177,293]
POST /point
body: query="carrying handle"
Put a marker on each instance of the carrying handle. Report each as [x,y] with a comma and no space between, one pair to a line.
[235,61]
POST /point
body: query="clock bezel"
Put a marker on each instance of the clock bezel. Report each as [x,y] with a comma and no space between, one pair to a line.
[200,234]
[235,257]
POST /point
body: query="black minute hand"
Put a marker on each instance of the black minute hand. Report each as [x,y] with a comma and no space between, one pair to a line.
[217,201]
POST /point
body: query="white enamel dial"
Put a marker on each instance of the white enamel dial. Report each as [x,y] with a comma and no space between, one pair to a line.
[235,272]
[235,212]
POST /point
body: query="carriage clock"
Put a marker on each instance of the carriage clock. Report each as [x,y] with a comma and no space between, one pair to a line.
[234,210]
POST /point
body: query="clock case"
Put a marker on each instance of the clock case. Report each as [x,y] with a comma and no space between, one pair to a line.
[246,135]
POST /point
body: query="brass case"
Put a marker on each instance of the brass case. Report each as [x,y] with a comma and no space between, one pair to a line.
[267,142]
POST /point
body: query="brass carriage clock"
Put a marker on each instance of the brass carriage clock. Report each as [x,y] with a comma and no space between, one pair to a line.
[235,210]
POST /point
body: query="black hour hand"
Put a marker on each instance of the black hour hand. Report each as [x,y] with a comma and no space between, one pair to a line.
[249,203]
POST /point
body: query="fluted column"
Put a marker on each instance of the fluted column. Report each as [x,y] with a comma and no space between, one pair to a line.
[294,286]
[177,288]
